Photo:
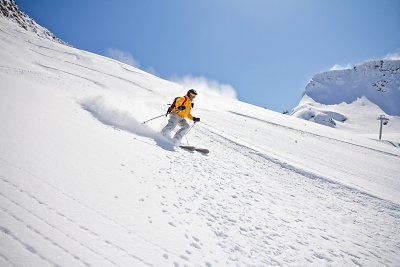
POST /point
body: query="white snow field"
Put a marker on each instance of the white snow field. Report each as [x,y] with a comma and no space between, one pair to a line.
[84,183]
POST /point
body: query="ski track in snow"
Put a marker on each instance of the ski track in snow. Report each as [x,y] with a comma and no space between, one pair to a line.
[313,134]
[54,243]
[72,74]
[77,57]
[74,223]
[113,76]
[299,170]
[64,233]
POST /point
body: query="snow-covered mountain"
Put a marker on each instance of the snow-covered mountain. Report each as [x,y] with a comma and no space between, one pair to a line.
[353,98]
[84,183]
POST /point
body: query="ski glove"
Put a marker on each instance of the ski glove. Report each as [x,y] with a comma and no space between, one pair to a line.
[196,119]
[181,108]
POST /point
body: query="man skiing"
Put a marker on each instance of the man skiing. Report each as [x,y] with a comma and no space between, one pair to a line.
[178,112]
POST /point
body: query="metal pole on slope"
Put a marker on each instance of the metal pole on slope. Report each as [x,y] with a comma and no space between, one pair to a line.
[384,121]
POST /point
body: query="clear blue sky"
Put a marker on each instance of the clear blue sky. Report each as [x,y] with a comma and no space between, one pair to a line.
[266,49]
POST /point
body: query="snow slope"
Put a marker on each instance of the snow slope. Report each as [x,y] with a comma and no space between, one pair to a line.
[84,183]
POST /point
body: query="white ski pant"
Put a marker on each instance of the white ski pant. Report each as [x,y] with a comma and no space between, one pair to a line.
[174,120]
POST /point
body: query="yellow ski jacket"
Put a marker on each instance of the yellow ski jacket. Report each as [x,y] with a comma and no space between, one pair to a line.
[183,101]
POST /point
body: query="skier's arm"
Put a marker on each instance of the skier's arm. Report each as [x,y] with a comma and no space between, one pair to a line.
[179,102]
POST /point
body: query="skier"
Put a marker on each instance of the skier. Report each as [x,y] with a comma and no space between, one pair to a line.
[178,112]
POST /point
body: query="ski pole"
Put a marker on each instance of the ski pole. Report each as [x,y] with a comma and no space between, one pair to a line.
[187,141]
[153,119]
[190,128]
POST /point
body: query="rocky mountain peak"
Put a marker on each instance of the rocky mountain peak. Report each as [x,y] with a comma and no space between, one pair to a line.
[10,10]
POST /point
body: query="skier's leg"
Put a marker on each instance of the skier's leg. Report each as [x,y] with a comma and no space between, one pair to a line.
[182,131]
[172,122]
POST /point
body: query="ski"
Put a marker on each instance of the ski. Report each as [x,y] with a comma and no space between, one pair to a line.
[204,151]
[198,149]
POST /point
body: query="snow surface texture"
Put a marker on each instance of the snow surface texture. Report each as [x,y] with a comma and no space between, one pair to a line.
[336,98]
[84,183]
